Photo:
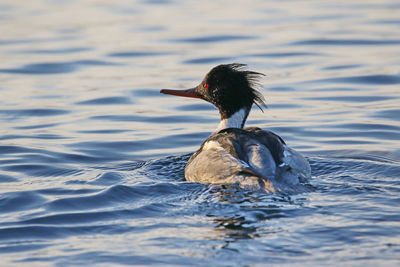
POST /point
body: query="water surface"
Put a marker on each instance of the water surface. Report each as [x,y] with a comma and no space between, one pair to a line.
[92,156]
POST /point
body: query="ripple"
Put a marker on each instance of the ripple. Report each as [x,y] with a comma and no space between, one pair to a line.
[36,126]
[36,40]
[159,2]
[207,60]
[388,21]
[215,38]
[155,119]
[140,196]
[4,150]
[146,92]
[55,68]
[38,136]
[41,170]
[103,199]
[172,168]
[368,126]
[391,114]
[100,147]
[111,131]
[285,54]
[286,106]
[68,50]
[83,158]
[137,54]
[95,63]
[281,89]
[77,217]
[108,178]
[353,99]
[367,79]
[7,179]
[102,257]
[35,112]
[112,100]
[43,68]
[342,67]
[17,201]
[14,248]
[195,107]
[65,191]
[346,133]
[350,42]
[54,232]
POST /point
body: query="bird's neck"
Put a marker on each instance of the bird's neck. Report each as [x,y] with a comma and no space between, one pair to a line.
[236,120]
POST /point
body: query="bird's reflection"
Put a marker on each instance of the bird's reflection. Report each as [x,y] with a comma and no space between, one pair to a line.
[250,213]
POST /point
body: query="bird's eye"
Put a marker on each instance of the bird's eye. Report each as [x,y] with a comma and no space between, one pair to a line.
[206,86]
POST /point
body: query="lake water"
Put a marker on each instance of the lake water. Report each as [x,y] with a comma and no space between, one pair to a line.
[92,155]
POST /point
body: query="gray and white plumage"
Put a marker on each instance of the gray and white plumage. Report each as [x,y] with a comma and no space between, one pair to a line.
[253,158]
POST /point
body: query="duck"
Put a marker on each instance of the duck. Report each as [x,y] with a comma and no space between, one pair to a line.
[249,157]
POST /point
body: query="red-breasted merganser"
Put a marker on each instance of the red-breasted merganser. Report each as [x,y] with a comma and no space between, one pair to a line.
[253,158]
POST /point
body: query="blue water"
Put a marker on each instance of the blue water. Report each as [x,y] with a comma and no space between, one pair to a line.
[92,155]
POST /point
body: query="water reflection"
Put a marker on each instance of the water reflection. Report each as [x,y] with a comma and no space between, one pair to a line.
[252,215]
[233,229]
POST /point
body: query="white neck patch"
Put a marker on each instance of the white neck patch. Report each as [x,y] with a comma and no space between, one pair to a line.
[235,121]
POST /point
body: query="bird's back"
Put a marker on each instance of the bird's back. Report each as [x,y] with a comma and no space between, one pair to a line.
[253,158]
